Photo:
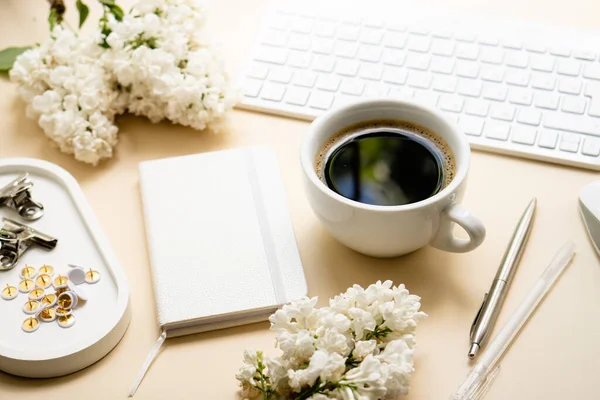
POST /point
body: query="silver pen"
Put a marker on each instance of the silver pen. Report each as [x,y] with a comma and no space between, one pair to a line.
[492,302]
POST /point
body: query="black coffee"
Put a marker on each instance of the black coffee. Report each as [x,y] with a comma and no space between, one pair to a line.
[386,163]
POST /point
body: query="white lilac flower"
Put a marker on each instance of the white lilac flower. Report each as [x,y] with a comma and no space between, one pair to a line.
[322,365]
[298,346]
[364,348]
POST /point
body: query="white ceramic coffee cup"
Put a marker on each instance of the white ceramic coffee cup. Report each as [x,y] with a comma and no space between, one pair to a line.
[387,231]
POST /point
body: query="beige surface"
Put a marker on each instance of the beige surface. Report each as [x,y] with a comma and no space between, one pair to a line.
[555,357]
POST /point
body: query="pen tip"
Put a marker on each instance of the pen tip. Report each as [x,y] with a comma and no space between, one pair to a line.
[473,350]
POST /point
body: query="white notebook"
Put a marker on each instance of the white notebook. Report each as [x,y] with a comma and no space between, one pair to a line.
[220,239]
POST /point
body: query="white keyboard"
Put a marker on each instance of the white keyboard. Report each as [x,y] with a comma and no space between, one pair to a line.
[516,88]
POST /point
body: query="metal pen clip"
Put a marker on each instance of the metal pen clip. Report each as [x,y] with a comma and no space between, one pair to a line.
[477,315]
[16,238]
[17,195]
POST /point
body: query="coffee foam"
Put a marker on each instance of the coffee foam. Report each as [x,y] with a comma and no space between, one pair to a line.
[448,161]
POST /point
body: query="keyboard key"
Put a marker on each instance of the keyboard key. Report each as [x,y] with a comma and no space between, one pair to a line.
[573,104]
[504,112]
[494,91]
[442,34]
[569,143]
[299,42]
[512,42]
[280,23]
[419,79]
[346,49]
[542,63]
[371,36]
[467,51]
[352,86]
[324,29]
[496,130]
[375,89]
[592,90]
[560,51]
[443,65]
[252,87]
[328,82]
[569,85]
[323,63]
[280,74]
[348,32]
[304,78]
[371,71]
[591,147]
[299,59]
[393,57]
[451,103]
[444,83]
[492,55]
[488,39]
[427,98]
[442,47]
[373,22]
[535,47]
[272,55]
[548,101]
[477,107]
[469,87]
[369,53]
[584,55]
[418,43]
[258,71]
[543,81]
[516,59]
[272,91]
[548,139]
[274,37]
[395,40]
[517,77]
[322,46]
[320,100]
[568,67]
[592,71]
[302,25]
[571,123]
[346,67]
[529,116]
[467,69]
[471,125]
[418,61]
[492,74]
[341,99]
[394,75]
[523,135]
[465,37]
[520,96]
[297,96]
[402,93]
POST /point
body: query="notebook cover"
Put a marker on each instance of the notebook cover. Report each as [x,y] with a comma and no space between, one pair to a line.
[220,239]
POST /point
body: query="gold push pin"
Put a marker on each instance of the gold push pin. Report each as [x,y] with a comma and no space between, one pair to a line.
[47,269]
[48,315]
[36,294]
[66,321]
[92,276]
[61,312]
[31,307]
[9,292]
[67,300]
[26,286]
[43,281]
[62,290]
[49,300]
[61,281]
[31,324]
[28,272]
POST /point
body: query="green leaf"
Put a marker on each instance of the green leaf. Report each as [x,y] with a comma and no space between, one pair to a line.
[107,2]
[117,12]
[9,55]
[84,11]
[52,18]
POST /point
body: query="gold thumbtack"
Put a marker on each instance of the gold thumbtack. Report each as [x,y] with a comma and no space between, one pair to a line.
[31,307]
[47,269]
[61,312]
[92,276]
[65,300]
[49,300]
[26,285]
[48,315]
[60,281]
[36,294]
[43,281]
[62,290]
[66,321]
[9,292]
[31,324]
[28,272]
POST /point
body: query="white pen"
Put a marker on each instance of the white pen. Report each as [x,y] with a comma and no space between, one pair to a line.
[482,374]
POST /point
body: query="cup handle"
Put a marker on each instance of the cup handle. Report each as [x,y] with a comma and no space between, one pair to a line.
[445,239]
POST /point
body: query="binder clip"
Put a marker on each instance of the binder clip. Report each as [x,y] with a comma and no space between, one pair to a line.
[17,195]
[16,238]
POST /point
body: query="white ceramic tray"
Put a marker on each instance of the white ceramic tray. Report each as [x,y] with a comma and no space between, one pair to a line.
[102,321]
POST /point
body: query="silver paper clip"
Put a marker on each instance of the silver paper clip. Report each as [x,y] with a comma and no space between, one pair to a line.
[17,195]
[16,238]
